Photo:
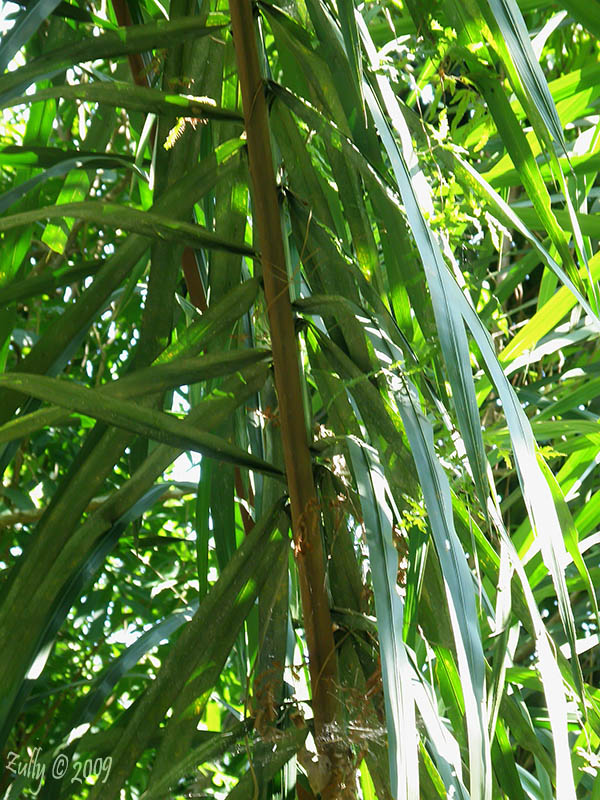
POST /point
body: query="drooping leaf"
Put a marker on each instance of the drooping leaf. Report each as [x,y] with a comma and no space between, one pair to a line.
[125,414]
[378,521]
[135,98]
[28,21]
[106,45]
[144,223]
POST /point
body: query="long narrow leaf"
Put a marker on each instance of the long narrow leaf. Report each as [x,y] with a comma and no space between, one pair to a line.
[215,623]
[145,223]
[26,24]
[394,663]
[109,44]
[135,98]
[122,413]
[435,487]
[62,168]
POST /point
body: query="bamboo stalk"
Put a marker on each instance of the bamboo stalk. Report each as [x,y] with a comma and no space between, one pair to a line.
[308,545]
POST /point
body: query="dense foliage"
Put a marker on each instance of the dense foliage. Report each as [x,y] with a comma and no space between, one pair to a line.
[299,399]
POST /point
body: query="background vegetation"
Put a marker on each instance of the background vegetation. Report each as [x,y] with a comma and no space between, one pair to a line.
[378,577]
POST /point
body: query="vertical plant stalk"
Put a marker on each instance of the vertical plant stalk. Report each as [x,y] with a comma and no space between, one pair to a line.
[304,503]
[141,77]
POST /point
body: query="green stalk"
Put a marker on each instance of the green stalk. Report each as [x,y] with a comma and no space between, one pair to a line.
[304,504]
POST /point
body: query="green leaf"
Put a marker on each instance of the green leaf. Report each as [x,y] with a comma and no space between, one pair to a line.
[585,13]
[571,542]
[8,318]
[515,36]
[445,749]
[44,284]
[522,157]
[26,24]
[61,168]
[32,155]
[400,714]
[218,745]
[551,678]
[56,615]
[156,379]
[471,178]
[135,98]
[108,44]
[144,223]
[123,414]
[188,664]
